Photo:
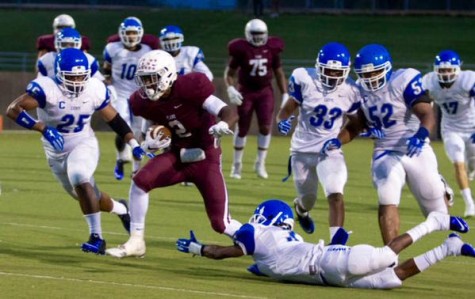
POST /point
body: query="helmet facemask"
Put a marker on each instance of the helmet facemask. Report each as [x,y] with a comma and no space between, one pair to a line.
[446,72]
[131,37]
[172,42]
[273,213]
[332,74]
[372,77]
[73,82]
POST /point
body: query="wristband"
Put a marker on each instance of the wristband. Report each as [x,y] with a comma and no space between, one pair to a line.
[25,120]
[422,133]
[196,248]
[133,143]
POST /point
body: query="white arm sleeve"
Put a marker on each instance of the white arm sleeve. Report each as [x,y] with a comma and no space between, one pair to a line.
[145,125]
[213,105]
[201,67]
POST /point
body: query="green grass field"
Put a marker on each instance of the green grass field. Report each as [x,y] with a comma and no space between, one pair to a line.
[42,229]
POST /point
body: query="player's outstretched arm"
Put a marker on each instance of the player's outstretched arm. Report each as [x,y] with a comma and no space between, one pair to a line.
[216,252]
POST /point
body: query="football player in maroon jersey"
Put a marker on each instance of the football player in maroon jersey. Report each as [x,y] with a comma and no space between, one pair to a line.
[187,107]
[254,59]
[45,43]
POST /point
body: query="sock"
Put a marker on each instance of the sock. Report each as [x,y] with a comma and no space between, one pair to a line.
[232,227]
[467,196]
[94,222]
[138,207]
[333,230]
[424,228]
[135,166]
[118,208]
[431,257]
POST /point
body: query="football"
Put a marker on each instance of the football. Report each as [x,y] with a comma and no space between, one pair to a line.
[155,131]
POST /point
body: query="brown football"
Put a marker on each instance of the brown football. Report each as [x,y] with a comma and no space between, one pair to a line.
[155,130]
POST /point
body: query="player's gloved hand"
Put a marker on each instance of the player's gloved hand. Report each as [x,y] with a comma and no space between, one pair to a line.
[235,97]
[330,144]
[138,153]
[152,145]
[54,137]
[416,142]
[219,129]
[285,125]
[190,245]
[373,132]
[340,237]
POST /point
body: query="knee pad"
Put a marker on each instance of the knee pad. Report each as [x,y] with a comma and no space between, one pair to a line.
[366,259]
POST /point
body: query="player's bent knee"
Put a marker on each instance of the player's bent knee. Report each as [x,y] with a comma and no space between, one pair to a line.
[366,259]
[218,225]
[143,181]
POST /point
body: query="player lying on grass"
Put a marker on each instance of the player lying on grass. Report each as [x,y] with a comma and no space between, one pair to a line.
[281,253]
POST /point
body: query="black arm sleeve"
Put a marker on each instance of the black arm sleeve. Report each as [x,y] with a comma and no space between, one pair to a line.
[119,126]
[425,98]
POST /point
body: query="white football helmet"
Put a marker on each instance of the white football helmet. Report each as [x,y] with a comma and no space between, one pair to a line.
[63,21]
[256,32]
[156,72]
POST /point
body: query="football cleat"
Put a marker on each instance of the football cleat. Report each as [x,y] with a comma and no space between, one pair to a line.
[95,245]
[260,169]
[119,170]
[135,246]
[305,221]
[444,221]
[125,218]
[469,210]
[236,171]
[455,246]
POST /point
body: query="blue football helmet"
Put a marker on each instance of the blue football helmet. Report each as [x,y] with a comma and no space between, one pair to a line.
[171,38]
[274,212]
[72,71]
[373,66]
[131,32]
[333,65]
[67,38]
[447,66]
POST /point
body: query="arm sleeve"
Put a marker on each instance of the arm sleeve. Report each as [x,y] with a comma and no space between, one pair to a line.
[213,105]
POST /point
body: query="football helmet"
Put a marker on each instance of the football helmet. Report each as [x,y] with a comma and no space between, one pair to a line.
[63,21]
[333,65]
[72,71]
[67,38]
[171,38]
[256,32]
[373,66]
[274,212]
[156,72]
[447,66]
[131,32]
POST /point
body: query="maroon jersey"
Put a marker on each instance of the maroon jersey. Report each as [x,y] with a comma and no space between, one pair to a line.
[46,42]
[181,111]
[148,39]
[256,64]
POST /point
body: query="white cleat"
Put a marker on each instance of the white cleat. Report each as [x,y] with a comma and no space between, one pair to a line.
[260,169]
[471,175]
[454,245]
[236,171]
[135,246]
[469,210]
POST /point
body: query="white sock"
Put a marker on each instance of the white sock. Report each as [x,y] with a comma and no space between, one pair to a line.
[467,196]
[94,222]
[135,166]
[118,208]
[333,230]
[426,227]
[138,207]
[232,227]
[431,257]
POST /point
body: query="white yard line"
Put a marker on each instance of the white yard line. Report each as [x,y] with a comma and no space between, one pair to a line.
[47,277]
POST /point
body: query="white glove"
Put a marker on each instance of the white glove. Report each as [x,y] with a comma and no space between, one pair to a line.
[221,128]
[154,144]
[235,97]
[285,98]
